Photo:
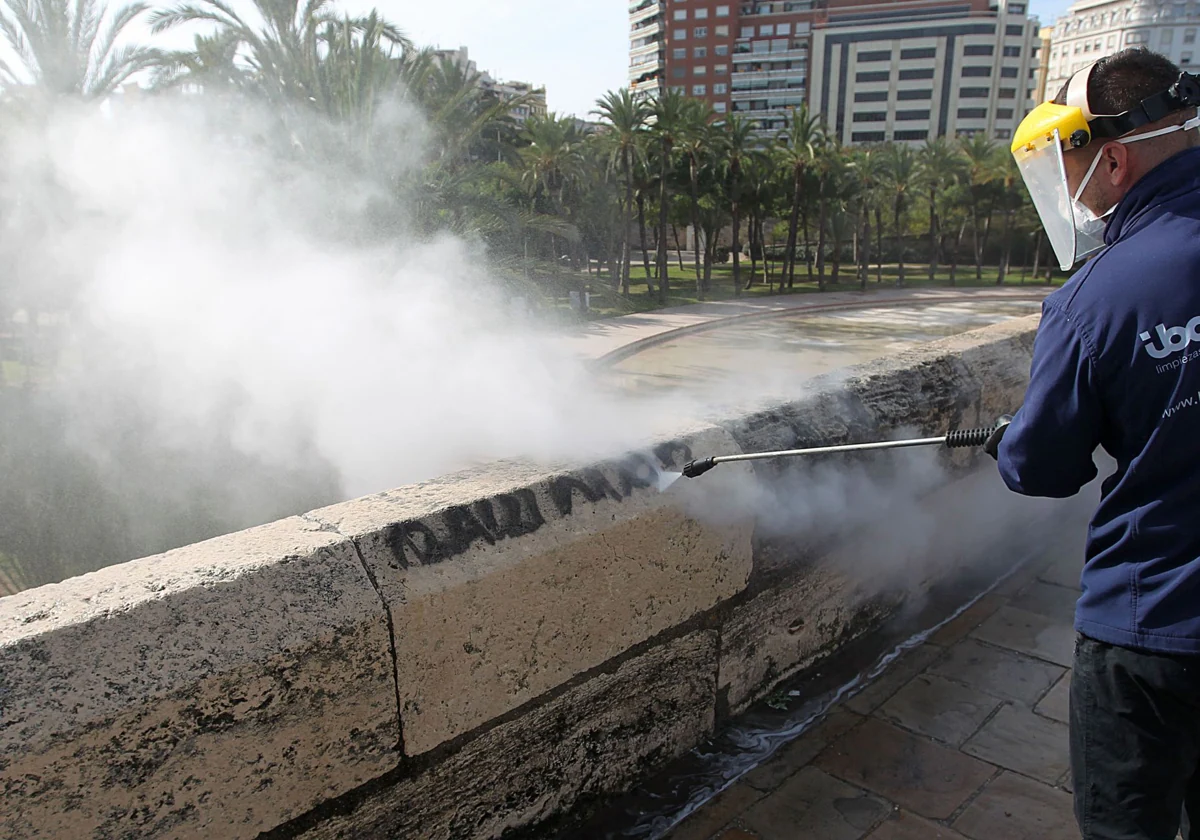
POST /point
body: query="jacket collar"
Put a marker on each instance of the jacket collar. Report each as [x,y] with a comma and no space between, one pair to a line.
[1176,175]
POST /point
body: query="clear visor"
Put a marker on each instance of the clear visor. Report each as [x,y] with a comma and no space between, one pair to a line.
[1045,176]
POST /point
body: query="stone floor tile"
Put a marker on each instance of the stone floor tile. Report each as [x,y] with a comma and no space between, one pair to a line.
[951,632]
[998,671]
[1057,704]
[936,707]
[889,682]
[1065,570]
[911,770]
[717,813]
[906,826]
[1019,740]
[1015,808]
[815,804]
[737,834]
[1029,633]
[772,773]
[1048,599]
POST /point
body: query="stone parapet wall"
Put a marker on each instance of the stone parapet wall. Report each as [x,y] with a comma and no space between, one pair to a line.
[477,654]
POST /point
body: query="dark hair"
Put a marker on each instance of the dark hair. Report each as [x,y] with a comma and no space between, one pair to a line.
[1122,80]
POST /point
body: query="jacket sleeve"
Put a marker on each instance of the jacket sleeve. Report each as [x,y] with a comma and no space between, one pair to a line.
[1047,449]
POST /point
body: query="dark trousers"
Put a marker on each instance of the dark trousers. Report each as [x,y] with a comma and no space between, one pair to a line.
[1135,743]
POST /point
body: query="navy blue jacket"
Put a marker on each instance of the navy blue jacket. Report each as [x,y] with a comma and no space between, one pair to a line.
[1116,364]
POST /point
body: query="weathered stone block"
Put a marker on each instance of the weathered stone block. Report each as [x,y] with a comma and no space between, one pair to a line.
[511,594]
[214,690]
[588,742]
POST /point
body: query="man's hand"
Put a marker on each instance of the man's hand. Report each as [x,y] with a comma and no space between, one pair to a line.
[992,447]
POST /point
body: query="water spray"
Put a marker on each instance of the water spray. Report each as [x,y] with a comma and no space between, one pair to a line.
[958,439]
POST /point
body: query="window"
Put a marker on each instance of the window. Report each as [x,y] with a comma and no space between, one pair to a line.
[722,31]
[1009,72]
[909,116]
[680,35]
[699,90]
[766,29]
[1189,36]
[1185,58]
[1004,113]
[700,70]
[679,52]
[1016,8]
[1136,38]
[700,52]
[701,14]
[908,75]
[783,29]
[678,72]
[722,11]
[880,76]
[700,32]
[972,93]
[747,32]
[721,49]
[1012,52]
[721,69]
[1014,29]
[681,14]
[910,95]
[912,135]
[1078,48]
[1003,134]
[871,96]
[1008,93]
[876,55]
[866,137]
[1167,36]
[720,107]
[760,46]
[977,71]
[680,89]
[870,116]
[923,52]
[719,90]
[972,113]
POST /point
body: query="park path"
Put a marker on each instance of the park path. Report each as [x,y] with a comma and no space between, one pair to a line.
[612,339]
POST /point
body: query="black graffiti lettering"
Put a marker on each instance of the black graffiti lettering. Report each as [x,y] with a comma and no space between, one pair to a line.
[635,471]
[486,516]
[462,529]
[673,453]
[519,513]
[415,540]
[563,490]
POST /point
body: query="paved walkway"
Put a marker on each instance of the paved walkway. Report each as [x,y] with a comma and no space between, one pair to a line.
[963,737]
[600,338]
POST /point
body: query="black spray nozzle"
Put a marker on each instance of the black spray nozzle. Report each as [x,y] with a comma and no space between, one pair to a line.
[962,438]
[695,469]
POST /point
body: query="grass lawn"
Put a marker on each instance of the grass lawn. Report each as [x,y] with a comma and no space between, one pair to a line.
[606,304]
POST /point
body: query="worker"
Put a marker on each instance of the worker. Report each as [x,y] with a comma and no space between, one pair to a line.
[1113,167]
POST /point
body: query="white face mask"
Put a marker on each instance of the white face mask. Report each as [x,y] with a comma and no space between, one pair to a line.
[1087,222]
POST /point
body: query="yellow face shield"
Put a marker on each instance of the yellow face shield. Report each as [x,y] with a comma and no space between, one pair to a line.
[1074,231]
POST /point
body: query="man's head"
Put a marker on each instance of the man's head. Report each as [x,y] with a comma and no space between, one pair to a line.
[1117,84]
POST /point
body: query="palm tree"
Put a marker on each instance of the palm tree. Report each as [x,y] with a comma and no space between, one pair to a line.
[1007,177]
[626,118]
[696,142]
[981,155]
[865,165]
[736,144]
[798,145]
[69,47]
[668,115]
[940,166]
[899,176]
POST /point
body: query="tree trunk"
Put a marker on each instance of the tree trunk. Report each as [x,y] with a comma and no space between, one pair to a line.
[837,259]
[933,234]
[789,257]
[663,280]
[1037,254]
[954,256]
[864,256]
[694,182]
[1006,248]
[978,239]
[899,245]
[808,266]
[879,244]
[641,204]
[736,250]
[627,221]
[821,212]
[678,246]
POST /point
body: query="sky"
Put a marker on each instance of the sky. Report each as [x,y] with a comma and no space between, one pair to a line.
[577,49]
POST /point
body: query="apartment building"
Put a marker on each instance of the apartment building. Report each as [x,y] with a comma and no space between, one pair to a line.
[901,70]
[1092,29]
[534,102]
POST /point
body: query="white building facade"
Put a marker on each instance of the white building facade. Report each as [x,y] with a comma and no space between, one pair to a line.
[1093,29]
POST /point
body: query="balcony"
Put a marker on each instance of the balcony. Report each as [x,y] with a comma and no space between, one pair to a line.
[743,75]
[649,47]
[741,56]
[643,11]
[652,26]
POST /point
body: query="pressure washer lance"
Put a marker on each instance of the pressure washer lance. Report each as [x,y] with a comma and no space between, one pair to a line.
[959,439]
